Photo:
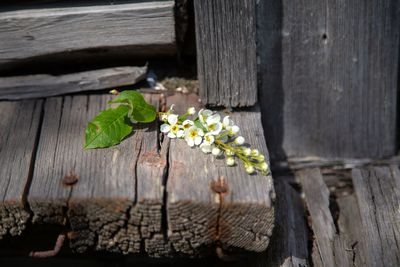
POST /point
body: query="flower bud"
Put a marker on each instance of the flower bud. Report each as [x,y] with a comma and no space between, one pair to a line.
[264,166]
[247,151]
[114,92]
[255,153]
[261,157]
[216,151]
[249,169]
[191,111]
[239,140]
[230,161]
[229,152]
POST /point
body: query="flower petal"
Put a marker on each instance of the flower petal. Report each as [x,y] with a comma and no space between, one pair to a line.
[165,128]
[216,118]
[180,133]
[190,142]
[171,135]
[206,148]
[172,119]
[197,140]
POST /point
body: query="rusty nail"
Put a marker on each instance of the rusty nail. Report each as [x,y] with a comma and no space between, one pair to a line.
[220,186]
[70,179]
[52,252]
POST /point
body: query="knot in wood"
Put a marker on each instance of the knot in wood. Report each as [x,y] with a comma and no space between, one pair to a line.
[70,179]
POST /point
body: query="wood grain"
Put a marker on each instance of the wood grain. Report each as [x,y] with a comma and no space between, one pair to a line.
[199,218]
[140,27]
[378,195]
[43,85]
[19,129]
[330,247]
[226,51]
[328,73]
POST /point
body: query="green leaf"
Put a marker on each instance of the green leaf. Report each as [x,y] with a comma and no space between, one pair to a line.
[108,128]
[141,111]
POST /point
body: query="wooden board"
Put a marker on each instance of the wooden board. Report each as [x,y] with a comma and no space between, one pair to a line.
[330,247]
[43,85]
[99,207]
[19,129]
[199,218]
[378,195]
[138,28]
[226,51]
[329,73]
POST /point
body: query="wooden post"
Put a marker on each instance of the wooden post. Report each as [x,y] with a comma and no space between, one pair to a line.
[226,51]
[328,73]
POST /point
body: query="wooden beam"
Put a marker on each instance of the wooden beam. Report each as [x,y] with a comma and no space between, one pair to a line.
[329,77]
[241,218]
[378,195]
[19,124]
[140,27]
[43,85]
[226,52]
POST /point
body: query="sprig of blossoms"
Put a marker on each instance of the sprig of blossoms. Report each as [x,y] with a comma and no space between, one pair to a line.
[213,135]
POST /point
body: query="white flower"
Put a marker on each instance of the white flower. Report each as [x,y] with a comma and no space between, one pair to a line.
[206,148]
[208,139]
[191,111]
[227,122]
[216,151]
[230,161]
[249,169]
[239,140]
[173,129]
[187,124]
[213,124]
[204,114]
[194,136]
[247,151]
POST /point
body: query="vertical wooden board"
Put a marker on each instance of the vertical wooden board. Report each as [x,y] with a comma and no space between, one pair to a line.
[197,216]
[19,128]
[226,51]
[328,74]
[378,195]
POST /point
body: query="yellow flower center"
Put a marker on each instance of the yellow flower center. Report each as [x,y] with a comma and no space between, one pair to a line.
[212,127]
[193,134]
[175,129]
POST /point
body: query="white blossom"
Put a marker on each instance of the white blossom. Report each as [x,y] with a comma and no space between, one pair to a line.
[208,139]
[204,114]
[239,140]
[187,124]
[194,136]
[213,124]
[172,129]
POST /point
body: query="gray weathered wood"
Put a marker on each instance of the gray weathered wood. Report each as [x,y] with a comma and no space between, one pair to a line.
[100,207]
[43,85]
[378,195]
[329,248]
[289,243]
[226,51]
[328,72]
[199,218]
[140,27]
[19,126]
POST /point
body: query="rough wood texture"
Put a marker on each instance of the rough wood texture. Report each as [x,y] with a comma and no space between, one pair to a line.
[199,218]
[19,126]
[328,73]
[226,51]
[98,206]
[140,27]
[330,247]
[290,237]
[378,195]
[31,86]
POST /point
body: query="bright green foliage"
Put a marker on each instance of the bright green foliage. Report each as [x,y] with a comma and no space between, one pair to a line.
[112,125]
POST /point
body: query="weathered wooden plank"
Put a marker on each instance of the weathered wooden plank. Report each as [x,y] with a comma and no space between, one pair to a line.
[329,248]
[226,51]
[19,126]
[328,72]
[43,85]
[289,243]
[199,218]
[97,206]
[37,32]
[378,195]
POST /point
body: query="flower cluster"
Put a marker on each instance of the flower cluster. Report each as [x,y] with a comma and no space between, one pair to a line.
[213,135]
